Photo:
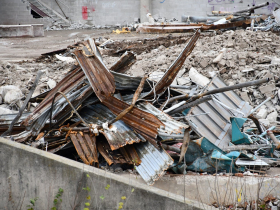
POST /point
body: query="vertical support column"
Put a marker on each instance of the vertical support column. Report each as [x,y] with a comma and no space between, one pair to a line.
[145,7]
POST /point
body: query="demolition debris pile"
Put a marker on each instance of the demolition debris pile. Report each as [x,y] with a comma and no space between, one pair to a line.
[119,118]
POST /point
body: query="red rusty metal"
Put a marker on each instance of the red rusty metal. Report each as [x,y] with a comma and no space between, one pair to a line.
[124,155]
[189,28]
[124,63]
[99,77]
[85,146]
[136,118]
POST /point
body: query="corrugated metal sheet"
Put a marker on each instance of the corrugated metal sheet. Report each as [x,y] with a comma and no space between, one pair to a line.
[154,162]
[124,155]
[142,122]
[119,134]
[124,63]
[173,129]
[6,119]
[99,77]
[85,145]
[216,125]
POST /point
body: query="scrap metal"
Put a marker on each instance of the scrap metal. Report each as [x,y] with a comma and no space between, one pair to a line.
[124,63]
[99,77]
[154,162]
[118,134]
[216,125]
[85,145]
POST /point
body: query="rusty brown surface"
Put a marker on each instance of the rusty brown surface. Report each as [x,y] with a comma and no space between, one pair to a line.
[136,118]
[124,155]
[228,25]
[175,67]
[169,28]
[189,28]
[85,147]
[134,99]
[124,63]
[99,77]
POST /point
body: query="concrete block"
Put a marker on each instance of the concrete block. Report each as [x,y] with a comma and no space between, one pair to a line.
[262,114]
[38,30]
[267,88]
[16,31]
[245,96]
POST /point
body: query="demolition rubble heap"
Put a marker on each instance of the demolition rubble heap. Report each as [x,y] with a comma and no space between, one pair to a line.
[207,105]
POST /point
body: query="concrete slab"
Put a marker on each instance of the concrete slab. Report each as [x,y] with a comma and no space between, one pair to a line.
[38,30]
[28,173]
[16,31]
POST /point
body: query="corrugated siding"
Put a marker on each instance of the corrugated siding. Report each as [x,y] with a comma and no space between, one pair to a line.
[216,125]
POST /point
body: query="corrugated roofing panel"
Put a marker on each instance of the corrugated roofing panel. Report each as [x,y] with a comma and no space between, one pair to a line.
[173,129]
[153,162]
[119,134]
[216,125]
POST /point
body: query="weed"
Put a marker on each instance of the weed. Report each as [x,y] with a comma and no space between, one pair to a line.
[57,200]
[32,203]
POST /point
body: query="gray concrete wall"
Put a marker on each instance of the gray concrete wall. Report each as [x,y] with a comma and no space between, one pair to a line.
[15,12]
[111,12]
[27,173]
[177,8]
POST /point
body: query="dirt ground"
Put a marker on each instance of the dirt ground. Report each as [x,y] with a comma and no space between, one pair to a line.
[17,49]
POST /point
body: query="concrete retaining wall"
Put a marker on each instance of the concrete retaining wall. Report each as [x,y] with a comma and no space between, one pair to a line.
[28,173]
[34,30]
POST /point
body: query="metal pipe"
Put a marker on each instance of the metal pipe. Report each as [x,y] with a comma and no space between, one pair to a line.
[246,147]
[174,107]
[233,87]
[32,89]
[251,9]
[186,18]
[191,104]
[174,149]
[257,107]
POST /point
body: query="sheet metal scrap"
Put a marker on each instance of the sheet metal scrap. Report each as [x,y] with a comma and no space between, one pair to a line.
[99,77]
[6,119]
[124,155]
[66,85]
[85,145]
[175,67]
[172,130]
[154,162]
[191,27]
[124,63]
[118,134]
[142,122]
[216,125]
[102,82]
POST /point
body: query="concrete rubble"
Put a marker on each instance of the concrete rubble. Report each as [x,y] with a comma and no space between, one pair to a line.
[152,114]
